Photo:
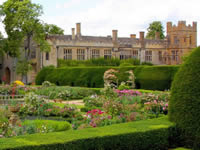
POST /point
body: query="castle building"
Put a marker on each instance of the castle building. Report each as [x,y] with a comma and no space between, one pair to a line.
[180,40]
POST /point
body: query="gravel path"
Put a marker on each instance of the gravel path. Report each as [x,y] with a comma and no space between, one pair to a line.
[75,102]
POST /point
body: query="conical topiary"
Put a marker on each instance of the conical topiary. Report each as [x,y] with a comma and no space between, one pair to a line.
[184,105]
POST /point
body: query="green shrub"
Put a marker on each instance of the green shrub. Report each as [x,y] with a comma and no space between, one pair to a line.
[55,92]
[147,63]
[53,126]
[184,106]
[97,62]
[125,64]
[147,77]
[130,61]
[141,135]
[123,87]
[42,74]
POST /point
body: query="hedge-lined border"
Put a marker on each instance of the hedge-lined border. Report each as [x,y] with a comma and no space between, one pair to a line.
[147,77]
[151,134]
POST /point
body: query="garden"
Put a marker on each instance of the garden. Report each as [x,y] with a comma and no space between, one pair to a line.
[117,116]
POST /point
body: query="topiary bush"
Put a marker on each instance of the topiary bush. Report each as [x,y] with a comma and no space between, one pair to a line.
[184,105]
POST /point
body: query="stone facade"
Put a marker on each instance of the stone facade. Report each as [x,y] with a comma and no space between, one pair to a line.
[180,40]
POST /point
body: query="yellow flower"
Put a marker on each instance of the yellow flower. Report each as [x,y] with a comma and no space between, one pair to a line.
[19,82]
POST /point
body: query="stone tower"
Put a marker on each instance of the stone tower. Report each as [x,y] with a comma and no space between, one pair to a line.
[181,40]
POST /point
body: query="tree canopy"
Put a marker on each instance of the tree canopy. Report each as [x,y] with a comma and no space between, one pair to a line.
[1,44]
[23,26]
[21,20]
[53,29]
[154,27]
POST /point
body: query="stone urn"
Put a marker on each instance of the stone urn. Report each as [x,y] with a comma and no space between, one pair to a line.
[14,117]
[14,109]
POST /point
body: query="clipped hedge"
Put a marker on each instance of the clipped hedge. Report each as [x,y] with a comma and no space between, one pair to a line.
[141,135]
[97,62]
[184,105]
[147,77]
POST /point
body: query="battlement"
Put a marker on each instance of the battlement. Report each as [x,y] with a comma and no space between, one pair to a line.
[181,27]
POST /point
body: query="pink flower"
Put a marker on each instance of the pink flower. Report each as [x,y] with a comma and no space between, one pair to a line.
[166,105]
[49,110]
[164,108]
[147,103]
[109,117]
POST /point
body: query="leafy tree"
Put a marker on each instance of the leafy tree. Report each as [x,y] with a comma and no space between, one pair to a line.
[23,66]
[21,21]
[154,27]
[22,25]
[53,29]
[1,44]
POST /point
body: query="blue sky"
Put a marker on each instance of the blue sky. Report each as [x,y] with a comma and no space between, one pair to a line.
[100,17]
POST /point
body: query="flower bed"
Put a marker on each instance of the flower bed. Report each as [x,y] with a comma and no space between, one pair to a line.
[32,127]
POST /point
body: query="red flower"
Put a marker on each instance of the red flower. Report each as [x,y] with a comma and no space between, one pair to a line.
[20,125]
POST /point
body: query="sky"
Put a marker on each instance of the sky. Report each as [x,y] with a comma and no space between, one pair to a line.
[100,17]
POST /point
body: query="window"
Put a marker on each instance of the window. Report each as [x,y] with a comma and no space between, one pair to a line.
[125,54]
[176,40]
[47,55]
[80,54]
[185,39]
[160,56]
[95,53]
[68,54]
[107,54]
[148,56]
[190,39]
[135,53]
[175,55]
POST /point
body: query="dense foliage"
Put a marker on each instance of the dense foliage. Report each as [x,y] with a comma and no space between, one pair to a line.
[154,27]
[98,62]
[185,98]
[147,77]
[66,92]
[150,134]
[24,27]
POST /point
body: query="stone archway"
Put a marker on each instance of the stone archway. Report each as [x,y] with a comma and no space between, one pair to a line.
[7,75]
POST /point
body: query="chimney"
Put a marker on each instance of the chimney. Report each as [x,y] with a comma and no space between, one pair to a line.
[73,33]
[169,26]
[114,35]
[141,36]
[133,36]
[194,25]
[157,35]
[78,29]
